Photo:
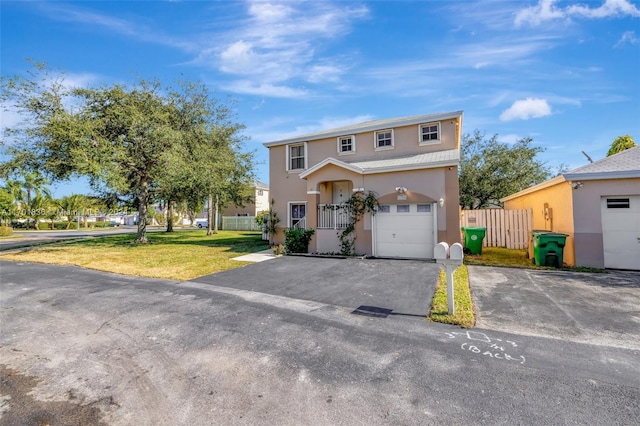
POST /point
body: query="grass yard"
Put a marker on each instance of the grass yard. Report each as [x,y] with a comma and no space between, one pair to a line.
[514,258]
[499,256]
[181,255]
[463,314]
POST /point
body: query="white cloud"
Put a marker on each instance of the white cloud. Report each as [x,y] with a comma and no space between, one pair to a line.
[510,138]
[248,87]
[68,13]
[546,10]
[280,42]
[324,73]
[628,37]
[543,11]
[608,9]
[526,109]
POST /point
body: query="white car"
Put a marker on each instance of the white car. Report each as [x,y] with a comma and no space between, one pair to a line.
[202,224]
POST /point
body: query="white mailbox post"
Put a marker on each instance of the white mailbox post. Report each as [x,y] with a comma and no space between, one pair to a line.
[451,258]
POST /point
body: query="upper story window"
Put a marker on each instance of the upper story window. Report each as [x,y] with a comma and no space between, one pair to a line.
[260,192]
[297,156]
[384,139]
[346,145]
[429,133]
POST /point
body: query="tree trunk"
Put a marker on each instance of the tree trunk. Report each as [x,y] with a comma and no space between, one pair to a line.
[169,216]
[210,215]
[143,199]
[215,226]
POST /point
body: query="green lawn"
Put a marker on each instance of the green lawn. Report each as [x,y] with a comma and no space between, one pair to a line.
[463,313]
[180,255]
[513,258]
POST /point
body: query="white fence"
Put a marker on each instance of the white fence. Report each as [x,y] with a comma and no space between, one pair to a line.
[332,216]
[505,228]
[240,223]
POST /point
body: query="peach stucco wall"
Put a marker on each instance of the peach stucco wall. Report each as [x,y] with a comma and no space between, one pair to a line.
[588,216]
[427,185]
[576,212]
[559,200]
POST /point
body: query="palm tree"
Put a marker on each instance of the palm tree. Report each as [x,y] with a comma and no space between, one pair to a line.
[34,183]
[38,209]
[72,207]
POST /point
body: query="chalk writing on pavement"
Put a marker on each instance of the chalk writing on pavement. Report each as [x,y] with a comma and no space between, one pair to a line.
[479,343]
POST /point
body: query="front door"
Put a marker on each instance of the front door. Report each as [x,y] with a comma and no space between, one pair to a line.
[340,191]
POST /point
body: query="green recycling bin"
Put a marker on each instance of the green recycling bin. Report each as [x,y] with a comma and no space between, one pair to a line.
[473,239]
[548,248]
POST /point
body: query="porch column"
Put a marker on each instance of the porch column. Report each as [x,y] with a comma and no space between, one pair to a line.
[313,198]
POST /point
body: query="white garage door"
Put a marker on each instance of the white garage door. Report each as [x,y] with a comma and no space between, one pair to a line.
[621,231]
[404,230]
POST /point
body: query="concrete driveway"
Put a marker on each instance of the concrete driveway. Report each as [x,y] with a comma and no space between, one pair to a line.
[379,287]
[595,308]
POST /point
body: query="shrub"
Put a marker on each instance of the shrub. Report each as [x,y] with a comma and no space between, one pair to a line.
[6,231]
[297,240]
[58,226]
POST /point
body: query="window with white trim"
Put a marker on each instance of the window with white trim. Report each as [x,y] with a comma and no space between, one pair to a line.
[383,208]
[424,208]
[384,139]
[346,145]
[297,213]
[429,133]
[402,208]
[296,156]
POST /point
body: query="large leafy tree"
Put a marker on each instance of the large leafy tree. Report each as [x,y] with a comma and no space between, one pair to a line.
[209,163]
[491,170]
[620,144]
[124,138]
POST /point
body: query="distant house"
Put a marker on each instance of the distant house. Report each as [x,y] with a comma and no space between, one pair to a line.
[597,205]
[259,202]
[409,163]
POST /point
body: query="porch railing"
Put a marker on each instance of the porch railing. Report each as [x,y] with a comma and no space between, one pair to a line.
[301,224]
[332,216]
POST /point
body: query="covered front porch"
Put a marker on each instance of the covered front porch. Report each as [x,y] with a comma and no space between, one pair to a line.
[328,213]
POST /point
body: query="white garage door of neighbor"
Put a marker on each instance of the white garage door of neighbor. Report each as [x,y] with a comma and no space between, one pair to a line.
[405,230]
[621,231]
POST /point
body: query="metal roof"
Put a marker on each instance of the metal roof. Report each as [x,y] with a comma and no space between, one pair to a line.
[368,126]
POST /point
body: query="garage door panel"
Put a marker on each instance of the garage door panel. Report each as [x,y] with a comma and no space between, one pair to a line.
[411,237]
[404,234]
[406,250]
[620,217]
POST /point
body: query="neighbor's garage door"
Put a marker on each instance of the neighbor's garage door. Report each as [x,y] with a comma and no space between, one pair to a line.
[621,231]
[404,230]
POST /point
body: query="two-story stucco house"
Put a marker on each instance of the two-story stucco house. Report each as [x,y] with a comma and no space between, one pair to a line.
[410,163]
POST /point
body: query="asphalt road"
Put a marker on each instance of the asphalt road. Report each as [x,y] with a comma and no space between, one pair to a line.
[157,352]
[27,238]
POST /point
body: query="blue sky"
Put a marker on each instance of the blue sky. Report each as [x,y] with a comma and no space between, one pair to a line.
[565,73]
